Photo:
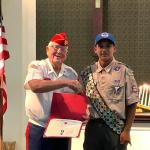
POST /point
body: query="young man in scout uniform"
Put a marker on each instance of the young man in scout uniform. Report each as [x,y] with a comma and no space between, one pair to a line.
[113,95]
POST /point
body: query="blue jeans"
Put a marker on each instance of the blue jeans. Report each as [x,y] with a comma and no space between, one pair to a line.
[35,140]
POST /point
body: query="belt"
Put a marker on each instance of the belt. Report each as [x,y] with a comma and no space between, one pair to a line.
[96,120]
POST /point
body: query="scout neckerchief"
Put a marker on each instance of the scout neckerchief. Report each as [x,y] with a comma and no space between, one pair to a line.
[96,100]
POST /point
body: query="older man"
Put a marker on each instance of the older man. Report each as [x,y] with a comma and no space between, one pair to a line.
[43,78]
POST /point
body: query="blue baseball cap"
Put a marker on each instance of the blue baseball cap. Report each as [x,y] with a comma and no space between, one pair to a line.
[105,35]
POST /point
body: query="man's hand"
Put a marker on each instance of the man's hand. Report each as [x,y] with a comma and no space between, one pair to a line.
[130,114]
[125,137]
[75,85]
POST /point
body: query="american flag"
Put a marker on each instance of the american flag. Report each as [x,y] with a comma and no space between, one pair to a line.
[4,54]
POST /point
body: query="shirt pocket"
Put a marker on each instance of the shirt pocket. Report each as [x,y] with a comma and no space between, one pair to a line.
[116,92]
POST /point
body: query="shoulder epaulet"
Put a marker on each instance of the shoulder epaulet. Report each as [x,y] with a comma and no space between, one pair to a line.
[128,70]
[121,63]
[44,61]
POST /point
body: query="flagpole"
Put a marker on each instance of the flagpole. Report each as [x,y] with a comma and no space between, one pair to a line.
[1,119]
[1,95]
[1,16]
[1,115]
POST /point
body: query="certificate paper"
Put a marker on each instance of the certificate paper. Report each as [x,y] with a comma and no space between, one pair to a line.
[63,128]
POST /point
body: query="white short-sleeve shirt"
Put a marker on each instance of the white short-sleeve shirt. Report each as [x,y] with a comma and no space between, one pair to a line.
[38,105]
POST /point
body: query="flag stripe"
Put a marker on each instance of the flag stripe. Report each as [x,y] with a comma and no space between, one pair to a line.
[1,68]
[3,29]
[4,95]
[3,47]
[4,54]
[3,41]
[2,34]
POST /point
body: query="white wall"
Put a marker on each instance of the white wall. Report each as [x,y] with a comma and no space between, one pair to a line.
[19,21]
[140,136]
[28,47]
[12,118]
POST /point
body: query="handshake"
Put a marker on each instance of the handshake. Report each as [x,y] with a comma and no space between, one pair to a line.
[75,85]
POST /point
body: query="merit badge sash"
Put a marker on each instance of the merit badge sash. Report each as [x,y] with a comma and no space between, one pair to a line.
[96,100]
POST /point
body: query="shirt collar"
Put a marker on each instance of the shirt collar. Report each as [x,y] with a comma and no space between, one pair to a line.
[107,68]
[62,72]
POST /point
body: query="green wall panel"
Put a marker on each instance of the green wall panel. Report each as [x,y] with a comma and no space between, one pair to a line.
[129,21]
[75,17]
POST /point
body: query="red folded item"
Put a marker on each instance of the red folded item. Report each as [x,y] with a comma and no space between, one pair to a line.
[68,106]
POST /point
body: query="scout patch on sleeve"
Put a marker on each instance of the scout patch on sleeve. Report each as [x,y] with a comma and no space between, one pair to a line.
[134,89]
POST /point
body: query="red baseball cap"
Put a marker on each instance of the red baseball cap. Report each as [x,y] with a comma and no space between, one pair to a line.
[60,38]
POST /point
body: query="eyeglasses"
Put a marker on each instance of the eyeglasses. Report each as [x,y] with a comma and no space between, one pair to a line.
[57,47]
[105,46]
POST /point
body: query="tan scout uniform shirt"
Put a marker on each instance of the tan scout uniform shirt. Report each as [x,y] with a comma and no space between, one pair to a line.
[116,85]
[38,104]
